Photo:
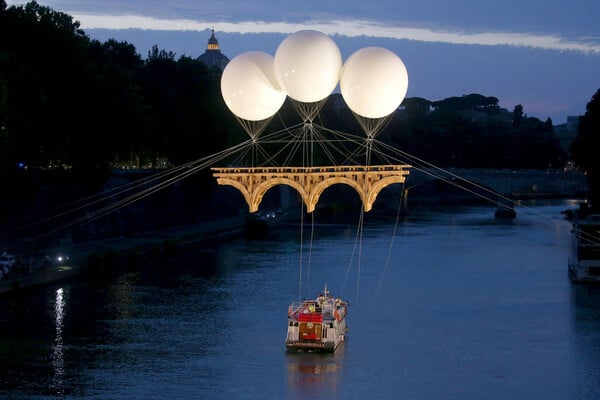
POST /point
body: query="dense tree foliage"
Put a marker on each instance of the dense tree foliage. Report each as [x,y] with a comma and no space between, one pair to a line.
[67,100]
[472,131]
[71,106]
[70,102]
[584,149]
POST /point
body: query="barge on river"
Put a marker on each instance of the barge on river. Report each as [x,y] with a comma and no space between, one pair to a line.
[584,261]
[317,325]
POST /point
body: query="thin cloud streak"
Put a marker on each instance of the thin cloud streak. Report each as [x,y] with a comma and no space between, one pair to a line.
[348,28]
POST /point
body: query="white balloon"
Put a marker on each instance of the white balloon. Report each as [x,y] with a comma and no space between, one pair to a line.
[308,65]
[250,88]
[373,82]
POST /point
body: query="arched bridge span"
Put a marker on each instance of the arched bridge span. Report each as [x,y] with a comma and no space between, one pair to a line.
[311,182]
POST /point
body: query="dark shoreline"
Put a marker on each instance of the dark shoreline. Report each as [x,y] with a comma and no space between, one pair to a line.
[105,257]
[102,257]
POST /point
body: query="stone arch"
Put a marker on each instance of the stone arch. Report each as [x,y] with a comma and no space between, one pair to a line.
[378,187]
[239,186]
[261,189]
[320,187]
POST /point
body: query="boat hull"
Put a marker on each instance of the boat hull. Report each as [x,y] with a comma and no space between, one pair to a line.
[317,325]
[584,261]
[326,337]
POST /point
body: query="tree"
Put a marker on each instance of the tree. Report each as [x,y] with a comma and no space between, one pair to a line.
[5,151]
[49,80]
[584,149]
[416,106]
[118,105]
[518,115]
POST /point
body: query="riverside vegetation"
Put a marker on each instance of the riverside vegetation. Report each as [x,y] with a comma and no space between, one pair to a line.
[72,108]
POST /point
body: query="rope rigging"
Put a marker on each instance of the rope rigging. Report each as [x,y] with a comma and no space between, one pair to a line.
[279,147]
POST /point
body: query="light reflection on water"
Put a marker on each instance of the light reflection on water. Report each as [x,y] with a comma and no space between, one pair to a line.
[314,375]
[457,305]
[57,359]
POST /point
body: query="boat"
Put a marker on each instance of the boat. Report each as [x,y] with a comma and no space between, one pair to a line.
[258,224]
[317,325]
[584,260]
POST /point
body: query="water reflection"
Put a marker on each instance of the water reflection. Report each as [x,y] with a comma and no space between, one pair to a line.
[121,297]
[478,307]
[314,374]
[58,357]
[586,296]
[585,308]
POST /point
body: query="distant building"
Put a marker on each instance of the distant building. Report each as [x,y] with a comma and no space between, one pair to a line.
[213,57]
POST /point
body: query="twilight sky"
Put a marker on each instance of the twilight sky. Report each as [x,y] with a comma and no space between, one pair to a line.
[543,54]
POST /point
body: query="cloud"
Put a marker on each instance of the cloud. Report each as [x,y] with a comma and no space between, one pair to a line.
[350,28]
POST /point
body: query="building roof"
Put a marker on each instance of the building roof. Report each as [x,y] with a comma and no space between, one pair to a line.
[213,57]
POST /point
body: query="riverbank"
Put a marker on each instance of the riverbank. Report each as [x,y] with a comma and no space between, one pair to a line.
[94,258]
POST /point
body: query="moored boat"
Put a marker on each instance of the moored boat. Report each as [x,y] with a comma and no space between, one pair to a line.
[584,261]
[317,325]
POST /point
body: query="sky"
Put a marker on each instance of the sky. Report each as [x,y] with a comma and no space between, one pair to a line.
[542,54]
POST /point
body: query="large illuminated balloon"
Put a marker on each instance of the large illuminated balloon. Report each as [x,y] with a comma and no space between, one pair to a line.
[308,65]
[373,82]
[250,88]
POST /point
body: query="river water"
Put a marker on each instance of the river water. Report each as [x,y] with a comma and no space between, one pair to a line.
[447,304]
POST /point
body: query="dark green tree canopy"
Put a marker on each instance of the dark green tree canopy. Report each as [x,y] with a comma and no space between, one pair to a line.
[69,101]
[584,149]
[518,115]
[472,101]
[66,100]
[416,106]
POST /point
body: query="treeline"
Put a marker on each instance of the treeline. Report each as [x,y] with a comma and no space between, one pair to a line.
[472,131]
[69,101]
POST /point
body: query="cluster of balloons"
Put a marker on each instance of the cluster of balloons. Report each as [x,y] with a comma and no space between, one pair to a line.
[307,67]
